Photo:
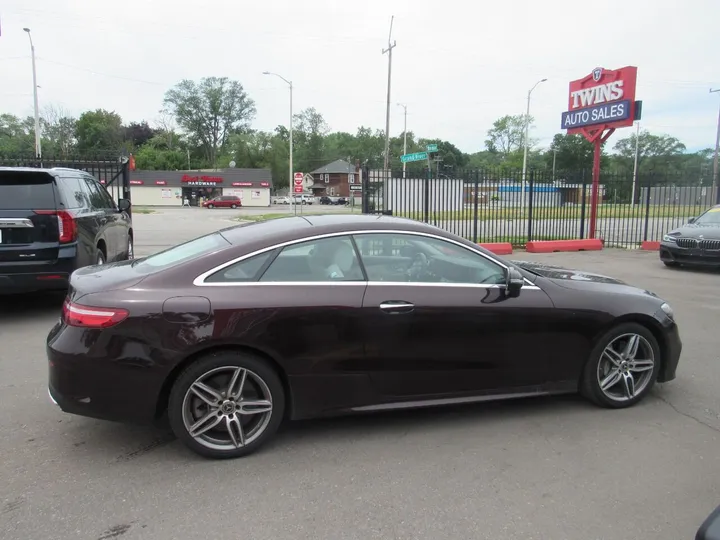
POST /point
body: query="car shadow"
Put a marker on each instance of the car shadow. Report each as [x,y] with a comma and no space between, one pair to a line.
[30,305]
[119,443]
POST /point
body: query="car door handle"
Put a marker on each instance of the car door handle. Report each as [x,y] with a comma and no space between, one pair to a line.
[395,306]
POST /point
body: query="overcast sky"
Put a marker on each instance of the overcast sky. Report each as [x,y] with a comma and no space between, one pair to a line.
[458,65]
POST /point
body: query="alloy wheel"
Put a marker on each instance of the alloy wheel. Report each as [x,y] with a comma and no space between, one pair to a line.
[626,367]
[227,408]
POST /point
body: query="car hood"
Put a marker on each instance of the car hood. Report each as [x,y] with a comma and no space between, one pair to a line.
[581,280]
[693,230]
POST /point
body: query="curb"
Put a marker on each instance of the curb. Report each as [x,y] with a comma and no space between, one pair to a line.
[552,246]
[498,248]
[650,246]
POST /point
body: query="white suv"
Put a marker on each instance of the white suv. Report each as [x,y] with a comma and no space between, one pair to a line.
[303,199]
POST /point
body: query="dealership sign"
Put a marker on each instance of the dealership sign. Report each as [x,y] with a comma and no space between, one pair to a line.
[603,99]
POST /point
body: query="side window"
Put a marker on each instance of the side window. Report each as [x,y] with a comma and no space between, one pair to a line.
[104,193]
[245,270]
[74,192]
[326,259]
[421,259]
[99,199]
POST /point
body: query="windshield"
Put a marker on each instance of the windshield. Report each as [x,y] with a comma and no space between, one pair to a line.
[711,217]
[179,254]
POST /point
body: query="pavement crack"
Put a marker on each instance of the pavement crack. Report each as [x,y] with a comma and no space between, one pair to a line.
[687,415]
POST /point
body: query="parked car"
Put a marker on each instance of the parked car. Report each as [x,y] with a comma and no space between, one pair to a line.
[303,199]
[312,316]
[694,244]
[224,201]
[54,221]
[281,200]
[710,528]
[333,200]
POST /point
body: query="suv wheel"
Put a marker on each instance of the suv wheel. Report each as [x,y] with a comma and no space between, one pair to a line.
[130,249]
[100,258]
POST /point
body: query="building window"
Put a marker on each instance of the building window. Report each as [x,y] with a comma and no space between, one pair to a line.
[351,178]
[326,178]
[331,191]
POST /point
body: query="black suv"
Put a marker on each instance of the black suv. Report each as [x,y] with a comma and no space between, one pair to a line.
[54,221]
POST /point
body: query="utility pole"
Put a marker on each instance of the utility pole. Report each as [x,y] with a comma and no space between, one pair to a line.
[404,136]
[635,166]
[38,148]
[526,144]
[391,46]
[291,173]
[716,180]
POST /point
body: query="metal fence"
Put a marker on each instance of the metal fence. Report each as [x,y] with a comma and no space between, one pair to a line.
[112,171]
[497,206]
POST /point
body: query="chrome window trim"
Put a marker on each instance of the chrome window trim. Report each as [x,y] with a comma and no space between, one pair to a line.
[199,281]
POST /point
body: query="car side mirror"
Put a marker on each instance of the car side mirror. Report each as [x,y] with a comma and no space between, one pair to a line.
[692,220]
[710,529]
[124,205]
[514,281]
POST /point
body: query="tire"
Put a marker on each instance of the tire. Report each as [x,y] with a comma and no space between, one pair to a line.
[233,206]
[130,253]
[100,256]
[211,206]
[617,396]
[262,386]
[671,264]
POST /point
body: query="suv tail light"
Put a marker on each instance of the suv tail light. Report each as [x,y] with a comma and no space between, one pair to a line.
[92,317]
[67,228]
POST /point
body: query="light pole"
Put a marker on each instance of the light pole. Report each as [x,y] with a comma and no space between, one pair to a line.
[526,143]
[38,148]
[404,135]
[290,179]
[716,182]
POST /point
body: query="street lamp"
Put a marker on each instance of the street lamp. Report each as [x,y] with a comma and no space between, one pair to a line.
[290,179]
[404,135]
[525,150]
[38,149]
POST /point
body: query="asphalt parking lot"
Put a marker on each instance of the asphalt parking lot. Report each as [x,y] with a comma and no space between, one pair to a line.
[549,468]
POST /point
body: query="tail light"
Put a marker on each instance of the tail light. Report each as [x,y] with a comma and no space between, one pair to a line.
[67,228]
[92,317]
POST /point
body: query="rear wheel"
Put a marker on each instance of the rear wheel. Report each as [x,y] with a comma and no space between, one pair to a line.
[130,248]
[622,367]
[233,206]
[100,257]
[226,405]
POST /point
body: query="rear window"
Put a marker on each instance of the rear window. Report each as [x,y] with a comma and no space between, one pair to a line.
[182,253]
[26,191]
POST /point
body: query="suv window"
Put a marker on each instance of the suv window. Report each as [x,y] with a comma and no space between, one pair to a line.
[99,198]
[422,259]
[74,192]
[25,190]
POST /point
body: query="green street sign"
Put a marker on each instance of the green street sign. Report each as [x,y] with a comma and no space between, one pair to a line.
[432,148]
[417,156]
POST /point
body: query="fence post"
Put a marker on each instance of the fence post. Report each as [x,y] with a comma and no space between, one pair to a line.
[125,183]
[647,207]
[364,189]
[426,202]
[582,206]
[530,206]
[476,196]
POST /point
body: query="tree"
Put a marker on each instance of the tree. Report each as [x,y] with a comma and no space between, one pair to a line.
[507,134]
[139,133]
[16,136]
[309,131]
[654,152]
[570,153]
[58,131]
[210,111]
[99,130]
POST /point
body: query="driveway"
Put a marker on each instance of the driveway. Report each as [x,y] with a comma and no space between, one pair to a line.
[547,468]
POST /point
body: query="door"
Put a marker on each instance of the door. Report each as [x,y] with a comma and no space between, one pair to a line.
[437,321]
[106,219]
[300,303]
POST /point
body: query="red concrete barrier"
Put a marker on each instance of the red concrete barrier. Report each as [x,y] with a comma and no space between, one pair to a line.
[551,246]
[498,248]
[650,246]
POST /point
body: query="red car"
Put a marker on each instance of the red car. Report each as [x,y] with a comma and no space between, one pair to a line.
[226,201]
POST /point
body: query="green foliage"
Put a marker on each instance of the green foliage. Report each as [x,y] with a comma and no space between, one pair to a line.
[99,130]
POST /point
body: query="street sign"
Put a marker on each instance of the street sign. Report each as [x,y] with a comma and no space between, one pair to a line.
[298,189]
[298,176]
[356,188]
[298,182]
[417,156]
[432,148]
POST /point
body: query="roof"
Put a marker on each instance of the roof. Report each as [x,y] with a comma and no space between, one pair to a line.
[339,166]
[287,229]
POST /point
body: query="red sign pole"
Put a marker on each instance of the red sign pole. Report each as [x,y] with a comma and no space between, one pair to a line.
[597,138]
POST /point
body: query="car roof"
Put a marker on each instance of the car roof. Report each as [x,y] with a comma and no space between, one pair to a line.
[54,171]
[276,231]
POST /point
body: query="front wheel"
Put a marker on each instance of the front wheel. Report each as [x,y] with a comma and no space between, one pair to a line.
[226,405]
[622,368]
[211,206]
